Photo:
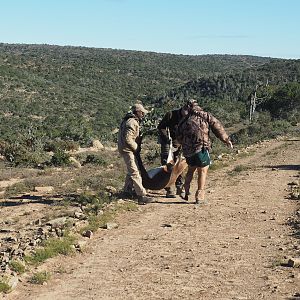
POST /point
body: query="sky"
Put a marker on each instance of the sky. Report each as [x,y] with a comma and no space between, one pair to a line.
[269,28]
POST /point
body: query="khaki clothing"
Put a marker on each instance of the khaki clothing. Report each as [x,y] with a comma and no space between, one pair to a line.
[129,134]
[127,145]
[133,177]
[193,131]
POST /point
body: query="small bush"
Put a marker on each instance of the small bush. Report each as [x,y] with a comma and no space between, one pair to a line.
[216,165]
[60,144]
[240,168]
[17,266]
[52,247]
[92,204]
[40,277]
[18,188]
[20,155]
[95,159]
[60,158]
[4,286]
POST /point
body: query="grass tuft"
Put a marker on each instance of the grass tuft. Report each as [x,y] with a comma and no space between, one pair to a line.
[4,287]
[52,247]
[40,277]
[17,266]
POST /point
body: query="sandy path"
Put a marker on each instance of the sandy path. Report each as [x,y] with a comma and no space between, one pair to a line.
[227,249]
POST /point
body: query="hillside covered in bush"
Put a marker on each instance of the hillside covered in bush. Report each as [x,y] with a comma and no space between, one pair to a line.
[74,94]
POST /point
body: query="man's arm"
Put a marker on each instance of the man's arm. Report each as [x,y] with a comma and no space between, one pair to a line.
[218,129]
[163,128]
[130,134]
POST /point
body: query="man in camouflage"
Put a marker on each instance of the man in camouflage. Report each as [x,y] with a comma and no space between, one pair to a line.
[128,147]
[193,134]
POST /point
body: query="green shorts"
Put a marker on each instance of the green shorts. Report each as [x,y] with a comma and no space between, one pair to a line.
[199,159]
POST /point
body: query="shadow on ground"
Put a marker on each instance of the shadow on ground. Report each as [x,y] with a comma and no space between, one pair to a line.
[285,167]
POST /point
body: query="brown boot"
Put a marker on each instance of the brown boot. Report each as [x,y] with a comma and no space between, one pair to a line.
[170,193]
[200,197]
[142,200]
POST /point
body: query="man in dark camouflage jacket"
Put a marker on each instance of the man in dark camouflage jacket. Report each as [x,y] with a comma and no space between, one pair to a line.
[167,134]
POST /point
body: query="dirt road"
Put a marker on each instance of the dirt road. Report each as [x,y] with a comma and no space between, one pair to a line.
[231,248]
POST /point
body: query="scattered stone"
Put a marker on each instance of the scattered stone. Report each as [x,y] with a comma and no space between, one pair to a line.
[44,189]
[80,245]
[294,262]
[38,222]
[58,223]
[74,162]
[297,295]
[79,215]
[110,225]
[13,282]
[88,233]
[6,230]
[166,225]
[111,189]
[96,144]
[296,183]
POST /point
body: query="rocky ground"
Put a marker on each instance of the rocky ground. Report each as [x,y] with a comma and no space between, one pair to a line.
[243,244]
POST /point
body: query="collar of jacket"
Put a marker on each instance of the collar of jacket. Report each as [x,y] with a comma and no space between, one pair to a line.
[131,115]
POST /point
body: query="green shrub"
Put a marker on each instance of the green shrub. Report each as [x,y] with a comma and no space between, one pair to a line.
[18,188]
[92,204]
[4,286]
[60,144]
[17,266]
[240,168]
[60,158]
[40,277]
[20,155]
[96,159]
[51,248]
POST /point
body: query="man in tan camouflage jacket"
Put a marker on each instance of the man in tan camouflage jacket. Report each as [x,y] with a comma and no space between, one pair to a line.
[128,146]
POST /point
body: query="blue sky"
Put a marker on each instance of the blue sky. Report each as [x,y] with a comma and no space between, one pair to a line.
[252,27]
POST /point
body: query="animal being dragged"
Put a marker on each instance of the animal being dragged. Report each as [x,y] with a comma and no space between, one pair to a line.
[163,176]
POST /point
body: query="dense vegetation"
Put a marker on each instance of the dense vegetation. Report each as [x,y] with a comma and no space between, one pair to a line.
[51,93]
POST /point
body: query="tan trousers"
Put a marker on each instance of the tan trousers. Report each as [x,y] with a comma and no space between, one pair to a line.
[133,177]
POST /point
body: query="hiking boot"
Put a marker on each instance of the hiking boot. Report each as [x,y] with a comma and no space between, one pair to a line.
[200,197]
[142,200]
[170,194]
[128,194]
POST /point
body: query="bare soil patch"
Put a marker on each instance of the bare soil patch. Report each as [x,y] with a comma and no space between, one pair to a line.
[234,247]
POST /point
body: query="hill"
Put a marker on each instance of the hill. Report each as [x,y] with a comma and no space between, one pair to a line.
[78,92]
[59,97]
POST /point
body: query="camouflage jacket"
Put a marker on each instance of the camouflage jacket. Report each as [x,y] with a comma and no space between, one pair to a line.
[129,132]
[193,131]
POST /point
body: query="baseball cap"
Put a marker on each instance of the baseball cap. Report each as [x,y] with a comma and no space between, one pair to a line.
[139,107]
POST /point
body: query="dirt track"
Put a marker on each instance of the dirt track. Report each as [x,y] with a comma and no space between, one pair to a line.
[230,248]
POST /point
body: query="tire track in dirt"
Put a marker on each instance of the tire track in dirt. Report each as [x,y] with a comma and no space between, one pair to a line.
[227,249]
